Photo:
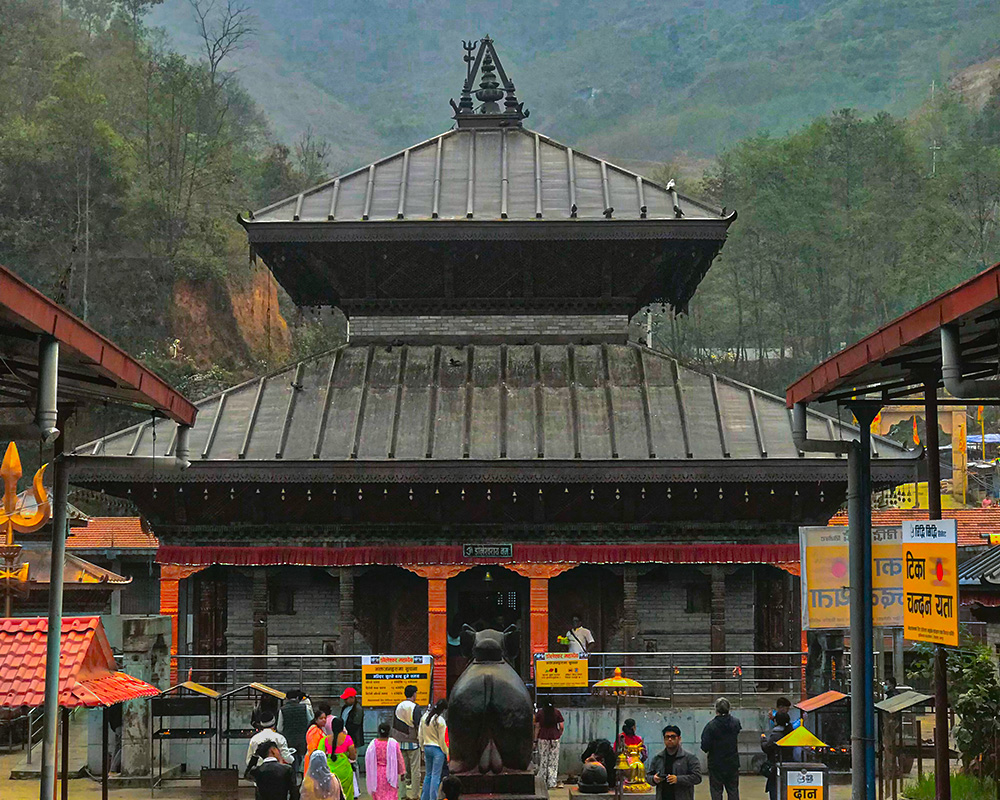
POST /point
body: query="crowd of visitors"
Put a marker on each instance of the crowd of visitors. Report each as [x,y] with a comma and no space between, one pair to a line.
[311,753]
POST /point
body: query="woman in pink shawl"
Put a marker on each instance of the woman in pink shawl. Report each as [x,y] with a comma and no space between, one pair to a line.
[383,765]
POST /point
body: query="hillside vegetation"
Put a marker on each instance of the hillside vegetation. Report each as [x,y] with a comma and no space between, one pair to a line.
[125,154]
[637,79]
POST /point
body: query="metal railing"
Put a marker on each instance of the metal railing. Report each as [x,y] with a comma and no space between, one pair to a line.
[678,677]
[317,675]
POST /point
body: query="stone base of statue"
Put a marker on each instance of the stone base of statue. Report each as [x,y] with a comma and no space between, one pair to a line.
[513,785]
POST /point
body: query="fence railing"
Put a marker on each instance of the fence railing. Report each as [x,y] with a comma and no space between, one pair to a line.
[676,677]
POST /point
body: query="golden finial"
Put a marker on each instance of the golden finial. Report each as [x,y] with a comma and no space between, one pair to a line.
[12,516]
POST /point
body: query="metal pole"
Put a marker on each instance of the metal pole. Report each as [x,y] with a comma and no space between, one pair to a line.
[51,718]
[30,735]
[942,768]
[65,754]
[867,642]
[104,753]
[862,633]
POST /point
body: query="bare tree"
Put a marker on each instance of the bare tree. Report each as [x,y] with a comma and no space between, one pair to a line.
[224,30]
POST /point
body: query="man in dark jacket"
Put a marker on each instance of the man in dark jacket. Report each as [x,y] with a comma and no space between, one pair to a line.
[293,721]
[720,740]
[272,779]
[354,716]
[674,771]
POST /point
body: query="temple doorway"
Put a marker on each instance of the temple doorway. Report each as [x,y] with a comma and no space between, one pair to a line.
[486,597]
[391,610]
[210,617]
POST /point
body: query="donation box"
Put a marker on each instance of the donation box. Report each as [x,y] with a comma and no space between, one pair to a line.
[802,782]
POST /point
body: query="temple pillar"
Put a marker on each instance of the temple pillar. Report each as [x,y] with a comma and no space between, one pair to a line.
[630,602]
[538,576]
[717,620]
[258,611]
[346,636]
[437,576]
[171,576]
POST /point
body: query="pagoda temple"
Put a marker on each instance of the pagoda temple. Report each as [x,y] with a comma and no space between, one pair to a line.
[489,445]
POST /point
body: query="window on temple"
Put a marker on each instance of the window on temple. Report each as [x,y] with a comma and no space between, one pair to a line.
[280,599]
[699,599]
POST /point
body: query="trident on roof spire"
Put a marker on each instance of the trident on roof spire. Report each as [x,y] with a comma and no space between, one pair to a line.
[494,85]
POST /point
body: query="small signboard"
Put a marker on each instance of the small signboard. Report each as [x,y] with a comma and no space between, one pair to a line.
[561,670]
[383,679]
[930,581]
[487,551]
[805,784]
[826,594]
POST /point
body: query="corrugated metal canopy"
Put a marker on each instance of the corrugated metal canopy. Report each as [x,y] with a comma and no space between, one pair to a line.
[983,569]
[902,701]
[91,367]
[513,403]
[496,175]
[896,360]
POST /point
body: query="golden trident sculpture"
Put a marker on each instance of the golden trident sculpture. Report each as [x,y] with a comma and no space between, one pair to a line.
[13,517]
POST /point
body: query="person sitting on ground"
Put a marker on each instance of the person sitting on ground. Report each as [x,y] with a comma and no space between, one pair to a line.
[272,779]
[632,746]
[451,788]
[601,750]
[675,771]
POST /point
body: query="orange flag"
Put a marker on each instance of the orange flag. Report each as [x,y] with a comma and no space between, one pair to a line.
[916,436]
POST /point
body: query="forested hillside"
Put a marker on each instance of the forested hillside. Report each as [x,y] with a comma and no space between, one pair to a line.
[123,162]
[122,168]
[638,79]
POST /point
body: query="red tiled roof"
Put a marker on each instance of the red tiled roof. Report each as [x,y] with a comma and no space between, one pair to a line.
[87,669]
[118,533]
[971,521]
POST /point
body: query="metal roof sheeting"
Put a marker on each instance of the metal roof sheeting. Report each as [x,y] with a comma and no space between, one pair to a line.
[499,174]
[513,402]
[981,570]
[903,701]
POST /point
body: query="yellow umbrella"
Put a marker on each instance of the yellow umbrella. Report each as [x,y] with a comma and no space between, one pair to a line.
[800,737]
[618,686]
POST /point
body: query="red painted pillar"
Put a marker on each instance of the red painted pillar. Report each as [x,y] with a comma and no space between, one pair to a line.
[437,576]
[171,576]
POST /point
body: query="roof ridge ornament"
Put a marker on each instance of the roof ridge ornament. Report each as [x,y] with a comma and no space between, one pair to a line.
[494,85]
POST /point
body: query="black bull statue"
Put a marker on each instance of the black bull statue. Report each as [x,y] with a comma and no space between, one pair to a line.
[490,713]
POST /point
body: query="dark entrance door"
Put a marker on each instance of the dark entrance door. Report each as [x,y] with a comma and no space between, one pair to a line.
[486,597]
[211,597]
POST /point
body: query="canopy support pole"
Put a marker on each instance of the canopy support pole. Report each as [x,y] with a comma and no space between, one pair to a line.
[104,753]
[942,766]
[53,642]
[859,510]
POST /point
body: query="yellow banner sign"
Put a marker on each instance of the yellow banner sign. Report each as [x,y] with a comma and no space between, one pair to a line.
[930,581]
[560,670]
[805,785]
[383,679]
[826,594]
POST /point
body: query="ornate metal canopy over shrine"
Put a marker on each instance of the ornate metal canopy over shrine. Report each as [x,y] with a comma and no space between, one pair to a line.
[446,224]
